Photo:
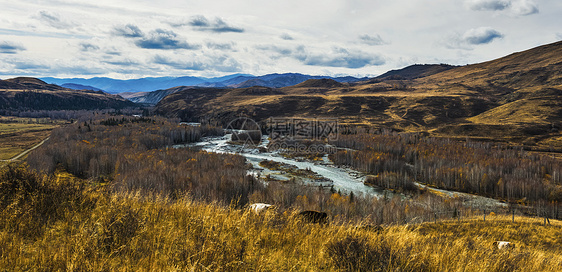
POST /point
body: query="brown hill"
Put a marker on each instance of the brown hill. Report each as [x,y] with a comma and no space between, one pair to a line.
[516,98]
[24,93]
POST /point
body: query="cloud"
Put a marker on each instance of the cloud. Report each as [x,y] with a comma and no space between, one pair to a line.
[341,57]
[559,36]
[482,35]
[286,37]
[174,63]
[128,31]
[488,4]
[221,46]
[372,40]
[280,51]
[10,47]
[164,39]
[125,62]
[221,63]
[54,20]
[513,7]
[85,47]
[472,37]
[200,23]
[338,57]
[524,7]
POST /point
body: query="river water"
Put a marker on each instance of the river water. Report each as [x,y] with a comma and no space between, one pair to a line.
[346,180]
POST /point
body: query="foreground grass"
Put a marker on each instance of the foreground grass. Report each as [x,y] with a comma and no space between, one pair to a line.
[62,224]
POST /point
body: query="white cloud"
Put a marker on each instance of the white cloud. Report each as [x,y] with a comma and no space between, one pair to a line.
[54,19]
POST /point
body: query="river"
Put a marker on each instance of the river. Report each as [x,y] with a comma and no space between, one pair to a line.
[343,179]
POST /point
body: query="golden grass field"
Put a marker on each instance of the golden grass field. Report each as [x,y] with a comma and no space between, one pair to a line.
[19,134]
[86,228]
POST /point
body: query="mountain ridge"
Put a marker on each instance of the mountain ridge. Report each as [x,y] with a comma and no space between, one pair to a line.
[25,93]
[148,84]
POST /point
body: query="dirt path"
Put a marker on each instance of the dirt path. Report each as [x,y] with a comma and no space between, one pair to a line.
[23,153]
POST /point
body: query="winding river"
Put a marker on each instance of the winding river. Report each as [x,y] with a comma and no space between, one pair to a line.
[346,180]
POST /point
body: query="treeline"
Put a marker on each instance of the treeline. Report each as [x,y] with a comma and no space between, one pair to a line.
[80,115]
[131,156]
[91,149]
[473,167]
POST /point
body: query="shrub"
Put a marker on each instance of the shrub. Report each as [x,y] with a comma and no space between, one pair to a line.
[355,253]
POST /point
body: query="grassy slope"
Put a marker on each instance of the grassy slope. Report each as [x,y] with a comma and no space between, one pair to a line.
[128,233]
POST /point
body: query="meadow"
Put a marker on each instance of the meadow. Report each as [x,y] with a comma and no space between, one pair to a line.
[18,134]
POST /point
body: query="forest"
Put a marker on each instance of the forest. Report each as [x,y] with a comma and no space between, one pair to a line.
[129,154]
[488,169]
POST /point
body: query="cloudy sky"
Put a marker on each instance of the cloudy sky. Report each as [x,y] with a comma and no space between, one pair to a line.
[138,38]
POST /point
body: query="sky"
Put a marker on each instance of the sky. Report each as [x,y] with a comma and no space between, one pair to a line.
[140,38]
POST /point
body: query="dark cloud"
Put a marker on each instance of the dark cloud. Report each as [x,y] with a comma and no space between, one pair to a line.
[164,39]
[10,47]
[200,23]
[372,40]
[128,31]
[481,35]
[85,47]
[514,7]
[126,62]
[54,20]
[473,37]
[286,37]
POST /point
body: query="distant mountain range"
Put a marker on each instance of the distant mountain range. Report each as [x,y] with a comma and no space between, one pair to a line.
[148,84]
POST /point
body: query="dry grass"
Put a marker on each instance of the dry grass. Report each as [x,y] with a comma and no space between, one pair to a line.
[20,134]
[93,230]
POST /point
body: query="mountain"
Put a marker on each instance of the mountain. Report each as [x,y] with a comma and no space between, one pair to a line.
[516,99]
[416,71]
[161,83]
[237,81]
[132,85]
[79,87]
[24,93]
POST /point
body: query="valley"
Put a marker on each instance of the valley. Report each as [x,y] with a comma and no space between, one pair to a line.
[408,168]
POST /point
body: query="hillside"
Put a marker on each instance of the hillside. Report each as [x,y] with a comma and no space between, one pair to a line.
[415,71]
[24,94]
[516,98]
